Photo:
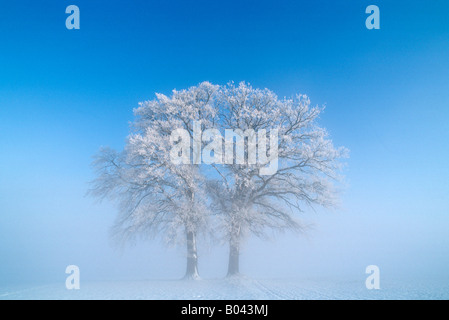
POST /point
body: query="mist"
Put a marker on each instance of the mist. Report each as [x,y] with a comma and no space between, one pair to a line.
[66,93]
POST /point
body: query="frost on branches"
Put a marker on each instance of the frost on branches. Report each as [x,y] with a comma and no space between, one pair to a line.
[308,164]
[233,200]
[155,195]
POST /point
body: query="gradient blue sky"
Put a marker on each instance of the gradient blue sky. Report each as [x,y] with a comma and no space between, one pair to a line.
[63,94]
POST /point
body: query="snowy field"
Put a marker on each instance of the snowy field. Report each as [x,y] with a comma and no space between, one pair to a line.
[237,288]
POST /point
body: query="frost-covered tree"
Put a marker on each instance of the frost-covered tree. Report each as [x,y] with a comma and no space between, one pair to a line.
[172,175]
[157,196]
[250,202]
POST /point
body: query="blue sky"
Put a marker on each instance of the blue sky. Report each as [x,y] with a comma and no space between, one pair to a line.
[64,93]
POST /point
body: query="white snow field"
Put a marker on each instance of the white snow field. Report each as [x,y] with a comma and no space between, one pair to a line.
[235,288]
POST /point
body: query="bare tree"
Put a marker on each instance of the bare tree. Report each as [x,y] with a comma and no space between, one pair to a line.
[307,165]
[155,195]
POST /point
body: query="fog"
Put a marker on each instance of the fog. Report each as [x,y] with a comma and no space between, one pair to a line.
[40,238]
[65,93]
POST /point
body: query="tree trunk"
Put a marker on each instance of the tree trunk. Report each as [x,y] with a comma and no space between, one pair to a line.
[234,258]
[192,257]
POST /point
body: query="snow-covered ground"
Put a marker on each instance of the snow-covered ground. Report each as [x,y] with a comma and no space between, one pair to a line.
[236,288]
